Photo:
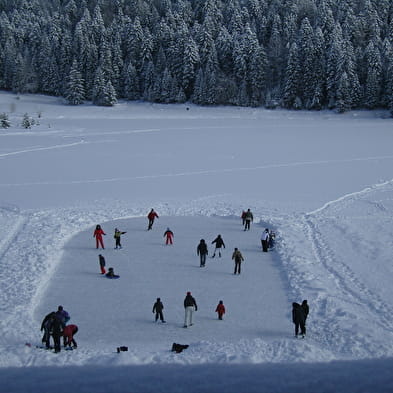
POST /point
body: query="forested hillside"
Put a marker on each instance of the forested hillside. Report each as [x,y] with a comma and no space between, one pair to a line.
[297,54]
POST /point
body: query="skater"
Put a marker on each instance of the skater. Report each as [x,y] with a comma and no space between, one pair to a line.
[101,260]
[63,315]
[189,307]
[306,310]
[111,273]
[117,237]
[45,327]
[98,235]
[238,257]
[68,334]
[248,218]
[157,308]
[202,252]
[298,318]
[220,309]
[219,243]
[169,236]
[151,216]
[265,240]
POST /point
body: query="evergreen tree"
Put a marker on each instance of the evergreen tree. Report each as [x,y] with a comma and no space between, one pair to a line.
[103,92]
[4,121]
[293,78]
[75,92]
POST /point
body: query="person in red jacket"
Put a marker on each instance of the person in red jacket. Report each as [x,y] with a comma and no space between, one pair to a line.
[220,309]
[169,236]
[69,332]
[151,216]
[98,235]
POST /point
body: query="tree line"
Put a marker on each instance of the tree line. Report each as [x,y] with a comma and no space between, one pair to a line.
[296,54]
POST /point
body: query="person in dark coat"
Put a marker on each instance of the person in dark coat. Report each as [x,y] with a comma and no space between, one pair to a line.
[57,327]
[151,216]
[238,258]
[248,218]
[298,318]
[306,310]
[101,260]
[219,243]
[111,273]
[157,308]
[45,327]
[189,307]
[202,252]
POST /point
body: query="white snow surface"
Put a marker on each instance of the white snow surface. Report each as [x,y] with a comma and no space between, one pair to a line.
[322,181]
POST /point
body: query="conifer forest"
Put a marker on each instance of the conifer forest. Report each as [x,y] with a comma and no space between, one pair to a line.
[295,54]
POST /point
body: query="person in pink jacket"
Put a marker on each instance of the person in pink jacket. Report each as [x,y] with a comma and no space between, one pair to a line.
[98,235]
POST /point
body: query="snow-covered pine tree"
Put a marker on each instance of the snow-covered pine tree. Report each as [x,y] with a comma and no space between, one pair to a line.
[4,120]
[75,91]
[293,78]
[103,92]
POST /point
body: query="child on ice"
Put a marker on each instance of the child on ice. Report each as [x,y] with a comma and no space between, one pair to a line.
[169,236]
[220,310]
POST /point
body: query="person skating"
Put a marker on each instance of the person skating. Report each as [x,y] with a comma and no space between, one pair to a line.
[248,219]
[189,307]
[220,309]
[151,217]
[111,273]
[219,243]
[101,261]
[238,258]
[98,233]
[265,240]
[202,251]
[157,309]
[168,234]
[117,237]
[298,318]
[68,333]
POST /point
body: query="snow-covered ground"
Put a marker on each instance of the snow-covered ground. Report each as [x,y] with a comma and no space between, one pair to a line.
[322,181]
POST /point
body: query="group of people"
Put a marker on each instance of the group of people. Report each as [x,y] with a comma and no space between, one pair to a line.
[299,312]
[190,306]
[55,325]
[299,317]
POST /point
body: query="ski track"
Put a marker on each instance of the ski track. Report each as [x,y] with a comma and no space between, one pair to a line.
[41,149]
[185,174]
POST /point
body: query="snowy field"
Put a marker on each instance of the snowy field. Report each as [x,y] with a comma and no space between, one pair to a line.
[322,181]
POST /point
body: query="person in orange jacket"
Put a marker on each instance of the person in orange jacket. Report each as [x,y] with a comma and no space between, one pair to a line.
[151,216]
[169,236]
[220,309]
[98,235]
